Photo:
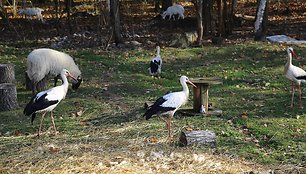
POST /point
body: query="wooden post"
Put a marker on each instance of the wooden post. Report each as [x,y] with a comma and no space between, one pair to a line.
[7,73]
[196,99]
[200,94]
[8,97]
[199,137]
[205,97]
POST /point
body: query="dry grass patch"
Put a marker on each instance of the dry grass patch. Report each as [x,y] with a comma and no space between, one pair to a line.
[111,153]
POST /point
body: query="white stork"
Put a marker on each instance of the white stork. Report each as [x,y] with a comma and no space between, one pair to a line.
[169,103]
[155,64]
[46,101]
[295,75]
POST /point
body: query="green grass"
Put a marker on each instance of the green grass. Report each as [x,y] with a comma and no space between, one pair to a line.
[253,83]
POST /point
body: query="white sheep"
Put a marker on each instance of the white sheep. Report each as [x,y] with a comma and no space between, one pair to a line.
[173,10]
[45,63]
[30,12]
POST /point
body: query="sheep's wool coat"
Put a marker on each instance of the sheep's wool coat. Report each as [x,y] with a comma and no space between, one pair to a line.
[42,62]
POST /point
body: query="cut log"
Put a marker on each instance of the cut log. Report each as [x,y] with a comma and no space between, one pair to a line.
[7,73]
[199,137]
[8,97]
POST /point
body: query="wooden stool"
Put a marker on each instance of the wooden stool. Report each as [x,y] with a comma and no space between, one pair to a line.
[200,94]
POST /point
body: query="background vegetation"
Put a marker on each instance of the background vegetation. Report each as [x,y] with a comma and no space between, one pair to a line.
[101,125]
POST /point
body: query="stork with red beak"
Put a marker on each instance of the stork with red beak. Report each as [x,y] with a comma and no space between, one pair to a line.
[46,101]
[295,75]
[170,103]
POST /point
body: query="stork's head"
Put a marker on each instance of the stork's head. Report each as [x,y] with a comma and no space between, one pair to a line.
[185,79]
[290,51]
[67,74]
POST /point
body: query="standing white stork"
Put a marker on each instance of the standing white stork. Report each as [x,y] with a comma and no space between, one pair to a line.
[169,103]
[46,101]
[155,64]
[295,75]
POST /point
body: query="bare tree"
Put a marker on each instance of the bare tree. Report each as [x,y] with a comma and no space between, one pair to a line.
[115,20]
[68,5]
[56,8]
[260,26]
[199,8]
[166,4]
[3,13]
[207,13]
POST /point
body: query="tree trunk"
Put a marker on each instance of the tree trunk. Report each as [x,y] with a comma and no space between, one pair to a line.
[8,97]
[199,11]
[199,137]
[56,7]
[68,5]
[166,4]
[207,5]
[3,16]
[115,15]
[7,73]
[220,18]
[107,13]
[24,3]
[156,6]
[14,8]
[260,26]
[3,13]
[230,17]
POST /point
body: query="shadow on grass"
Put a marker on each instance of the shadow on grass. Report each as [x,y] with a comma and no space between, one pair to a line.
[117,119]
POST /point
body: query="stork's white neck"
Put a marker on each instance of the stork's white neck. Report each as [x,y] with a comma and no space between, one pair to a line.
[65,83]
[185,88]
[158,51]
[289,61]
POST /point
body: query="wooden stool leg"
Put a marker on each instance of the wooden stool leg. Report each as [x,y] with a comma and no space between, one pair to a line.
[205,97]
[196,99]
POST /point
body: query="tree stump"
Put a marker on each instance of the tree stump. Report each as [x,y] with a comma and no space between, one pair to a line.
[8,97]
[7,73]
[199,137]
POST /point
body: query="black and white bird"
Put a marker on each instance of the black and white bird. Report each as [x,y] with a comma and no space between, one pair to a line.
[155,64]
[46,101]
[295,75]
[170,103]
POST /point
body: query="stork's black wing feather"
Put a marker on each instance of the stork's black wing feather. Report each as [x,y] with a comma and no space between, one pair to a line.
[156,108]
[153,67]
[38,104]
[301,77]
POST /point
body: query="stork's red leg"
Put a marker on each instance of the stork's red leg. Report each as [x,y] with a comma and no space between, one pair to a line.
[42,118]
[53,122]
[300,92]
[293,90]
[169,126]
